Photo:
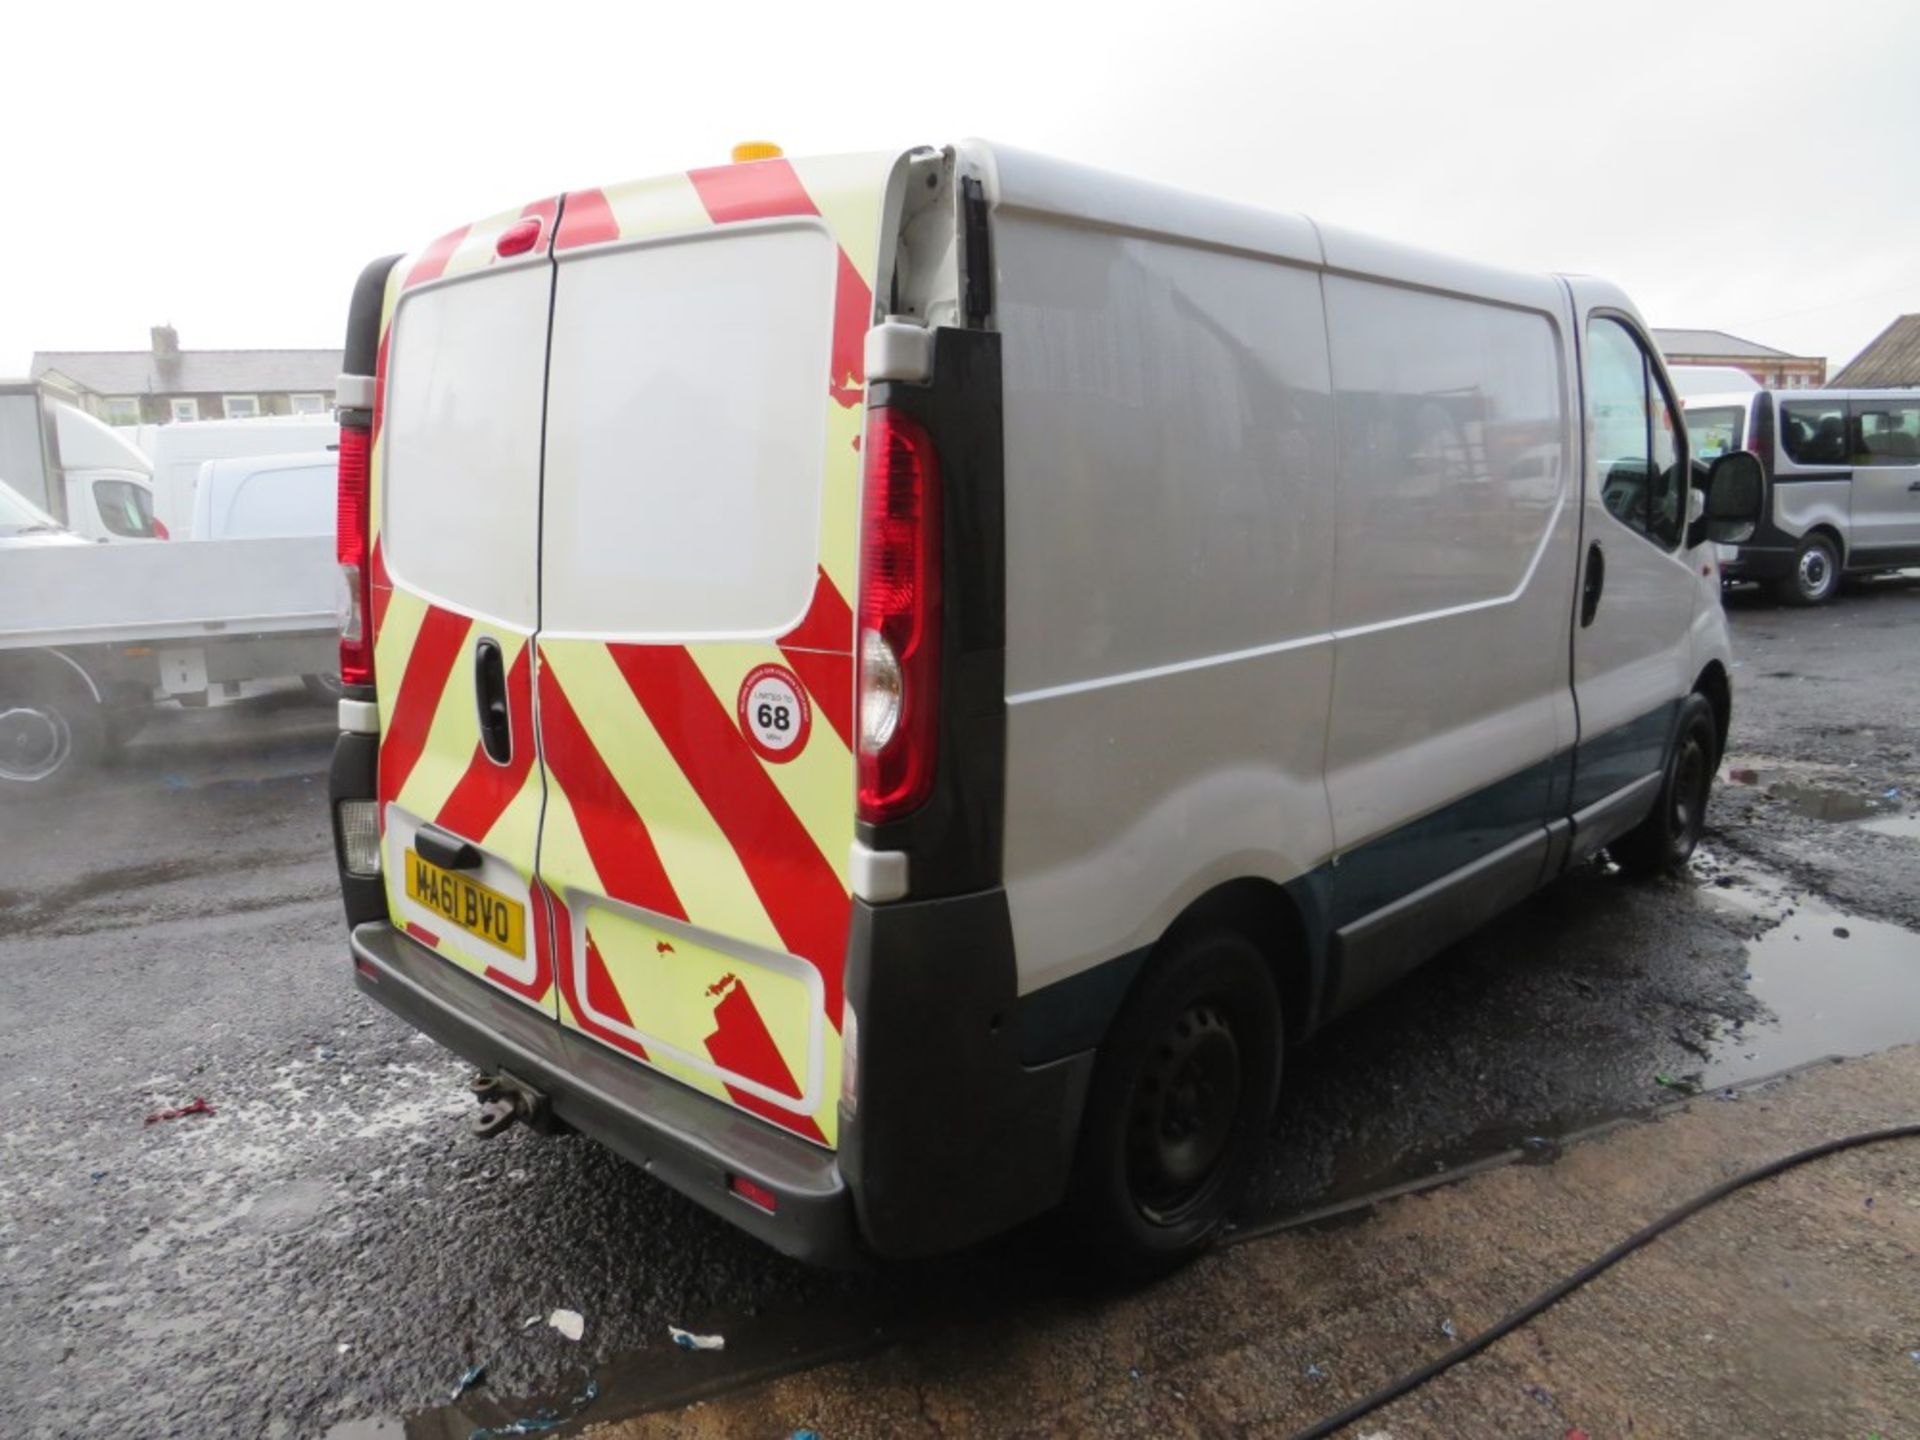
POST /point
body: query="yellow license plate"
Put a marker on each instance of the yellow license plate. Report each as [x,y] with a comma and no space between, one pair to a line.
[472,906]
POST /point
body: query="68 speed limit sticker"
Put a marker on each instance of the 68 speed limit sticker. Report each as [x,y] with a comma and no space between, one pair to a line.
[775,714]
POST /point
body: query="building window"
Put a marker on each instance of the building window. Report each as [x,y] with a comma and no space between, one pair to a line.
[122,410]
[308,404]
[240,407]
[184,408]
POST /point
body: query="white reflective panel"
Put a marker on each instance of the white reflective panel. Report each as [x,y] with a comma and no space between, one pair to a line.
[461,443]
[1452,448]
[686,434]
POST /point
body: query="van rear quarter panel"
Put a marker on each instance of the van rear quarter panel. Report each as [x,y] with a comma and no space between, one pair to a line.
[1169,578]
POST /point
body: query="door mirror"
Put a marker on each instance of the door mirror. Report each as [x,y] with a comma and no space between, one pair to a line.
[1736,497]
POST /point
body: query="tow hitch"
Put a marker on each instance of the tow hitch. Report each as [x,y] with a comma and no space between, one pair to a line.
[503,1100]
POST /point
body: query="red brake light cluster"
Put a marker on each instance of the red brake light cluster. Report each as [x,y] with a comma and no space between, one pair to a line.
[350,547]
[899,619]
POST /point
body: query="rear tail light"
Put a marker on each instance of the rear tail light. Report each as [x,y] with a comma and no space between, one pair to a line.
[899,620]
[350,547]
[359,836]
[160,531]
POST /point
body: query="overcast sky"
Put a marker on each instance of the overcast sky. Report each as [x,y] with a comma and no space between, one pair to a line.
[1746,166]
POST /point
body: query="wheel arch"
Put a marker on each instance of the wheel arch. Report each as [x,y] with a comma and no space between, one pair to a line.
[54,669]
[1832,532]
[1713,684]
[1271,918]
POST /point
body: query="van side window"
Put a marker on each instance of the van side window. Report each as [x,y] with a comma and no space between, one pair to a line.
[1639,453]
[1886,434]
[1814,432]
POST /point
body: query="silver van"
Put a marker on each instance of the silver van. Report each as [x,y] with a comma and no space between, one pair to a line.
[1843,471]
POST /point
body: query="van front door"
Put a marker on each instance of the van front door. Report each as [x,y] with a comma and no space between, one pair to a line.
[456,509]
[1639,583]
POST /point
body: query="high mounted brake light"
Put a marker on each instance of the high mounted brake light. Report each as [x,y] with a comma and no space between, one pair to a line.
[350,547]
[899,621]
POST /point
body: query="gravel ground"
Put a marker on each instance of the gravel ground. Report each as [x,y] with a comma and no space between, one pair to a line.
[331,1247]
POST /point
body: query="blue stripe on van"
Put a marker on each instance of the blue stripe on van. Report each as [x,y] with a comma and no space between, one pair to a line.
[1072,1015]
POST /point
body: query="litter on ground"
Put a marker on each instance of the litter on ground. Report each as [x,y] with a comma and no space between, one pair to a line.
[687,1340]
[199,1106]
[569,1323]
[469,1378]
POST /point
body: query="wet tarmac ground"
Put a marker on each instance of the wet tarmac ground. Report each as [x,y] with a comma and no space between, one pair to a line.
[329,1251]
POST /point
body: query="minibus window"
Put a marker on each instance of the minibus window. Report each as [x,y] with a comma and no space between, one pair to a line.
[1814,432]
[1886,434]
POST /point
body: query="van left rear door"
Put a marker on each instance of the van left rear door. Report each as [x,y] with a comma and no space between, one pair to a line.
[456,514]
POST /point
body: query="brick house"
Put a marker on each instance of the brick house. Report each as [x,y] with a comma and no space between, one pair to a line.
[154,386]
[1771,369]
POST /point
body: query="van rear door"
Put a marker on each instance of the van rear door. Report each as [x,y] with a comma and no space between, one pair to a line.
[697,567]
[456,513]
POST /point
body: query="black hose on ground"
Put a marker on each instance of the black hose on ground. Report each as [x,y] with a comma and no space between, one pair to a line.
[1540,1303]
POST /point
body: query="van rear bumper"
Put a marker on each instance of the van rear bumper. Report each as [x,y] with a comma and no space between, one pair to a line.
[691,1142]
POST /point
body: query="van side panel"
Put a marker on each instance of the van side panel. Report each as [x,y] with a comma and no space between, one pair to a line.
[1169,580]
[1456,551]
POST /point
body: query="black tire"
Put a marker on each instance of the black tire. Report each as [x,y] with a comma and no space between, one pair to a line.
[49,736]
[1182,1093]
[1816,573]
[1662,843]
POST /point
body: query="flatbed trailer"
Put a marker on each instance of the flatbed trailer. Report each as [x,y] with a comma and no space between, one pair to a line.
[91,637]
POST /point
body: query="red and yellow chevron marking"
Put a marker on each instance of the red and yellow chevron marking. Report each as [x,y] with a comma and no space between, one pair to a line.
[690,906]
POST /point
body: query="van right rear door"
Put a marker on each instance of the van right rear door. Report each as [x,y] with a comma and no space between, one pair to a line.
[696,675]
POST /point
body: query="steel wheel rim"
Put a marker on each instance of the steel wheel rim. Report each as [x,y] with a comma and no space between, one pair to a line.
[1181,1119]
[34,744]
[1816,573]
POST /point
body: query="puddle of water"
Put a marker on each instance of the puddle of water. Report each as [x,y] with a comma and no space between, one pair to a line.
[1826,802]
[1836,984]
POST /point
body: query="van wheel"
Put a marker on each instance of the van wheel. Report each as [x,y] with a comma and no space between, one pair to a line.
[1816,573]
[1181,1095]
[1662,843]
[47,738]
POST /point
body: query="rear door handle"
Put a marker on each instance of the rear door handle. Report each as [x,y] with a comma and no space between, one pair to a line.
[1596,581]
[449,852]
[1913,485]
[490,696]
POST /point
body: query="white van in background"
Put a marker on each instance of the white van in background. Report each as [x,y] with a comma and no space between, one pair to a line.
[265,495]
[108,482]
[179,450]
[1843,481]
[891,689]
